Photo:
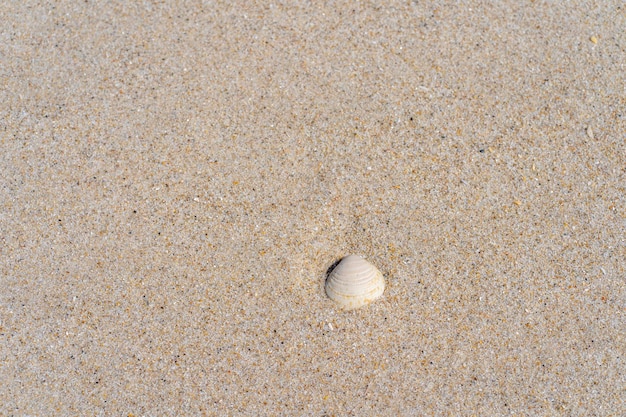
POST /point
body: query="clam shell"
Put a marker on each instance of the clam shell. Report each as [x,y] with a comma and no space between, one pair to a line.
[354,283]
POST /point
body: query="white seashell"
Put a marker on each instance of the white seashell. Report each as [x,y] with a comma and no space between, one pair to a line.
[354,283]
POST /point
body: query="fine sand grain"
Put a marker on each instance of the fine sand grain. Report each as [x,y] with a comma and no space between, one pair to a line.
[177,177]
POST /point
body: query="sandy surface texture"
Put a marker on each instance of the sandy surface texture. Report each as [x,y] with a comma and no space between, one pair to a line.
[178,176]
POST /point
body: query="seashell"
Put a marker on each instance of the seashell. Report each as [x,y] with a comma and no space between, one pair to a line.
[354,282]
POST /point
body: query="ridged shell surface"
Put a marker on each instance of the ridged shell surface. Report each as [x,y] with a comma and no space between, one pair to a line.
[354,283]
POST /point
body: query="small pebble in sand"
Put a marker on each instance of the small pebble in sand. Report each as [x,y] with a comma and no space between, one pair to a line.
[593,39]
[589,132]
[354,282]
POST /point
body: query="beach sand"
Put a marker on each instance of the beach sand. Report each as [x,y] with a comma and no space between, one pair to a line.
[177,177]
